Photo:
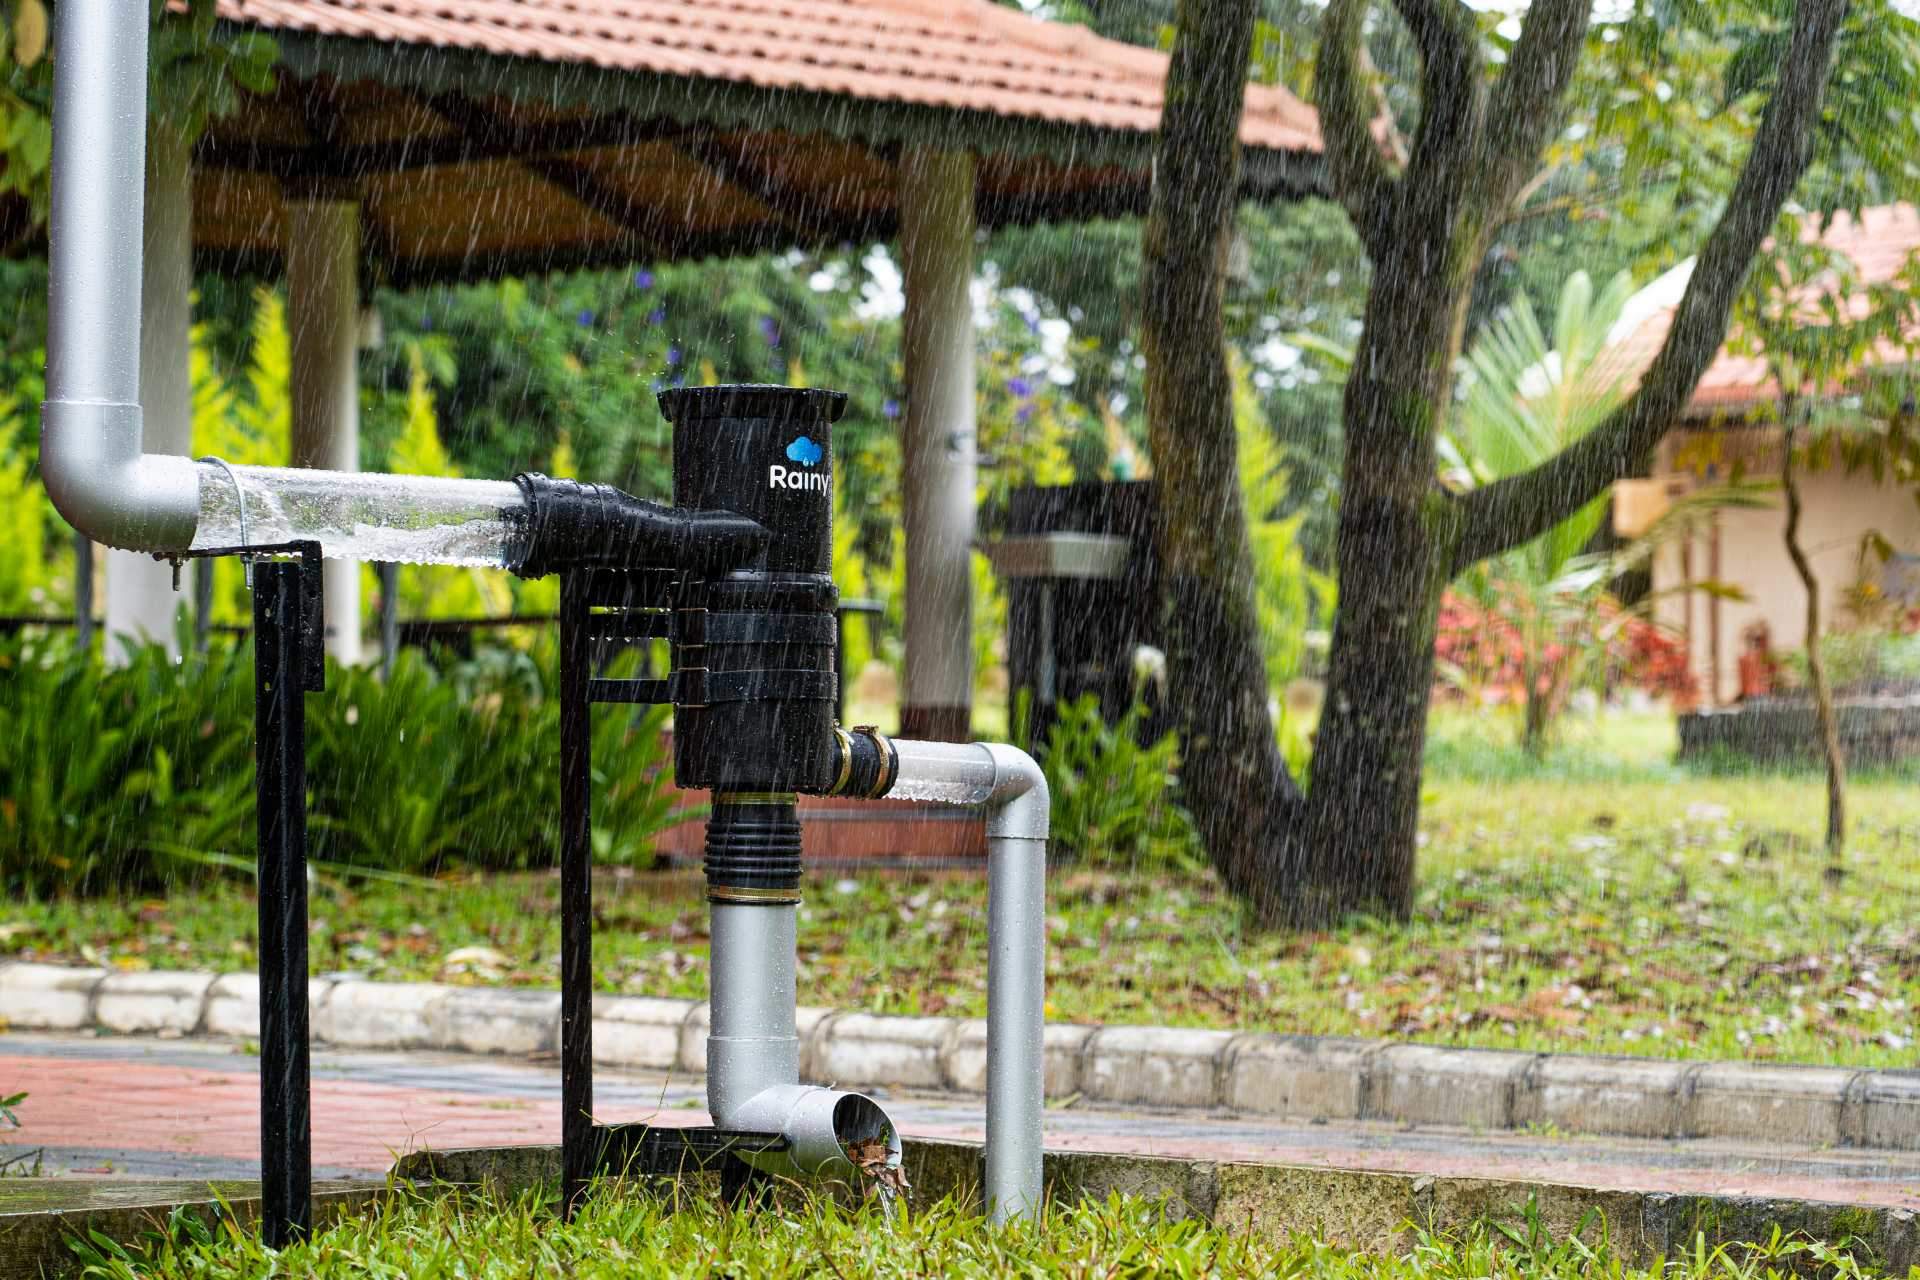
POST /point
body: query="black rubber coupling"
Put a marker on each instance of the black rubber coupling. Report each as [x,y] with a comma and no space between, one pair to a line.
[753,847]
[865,763]
[571,525]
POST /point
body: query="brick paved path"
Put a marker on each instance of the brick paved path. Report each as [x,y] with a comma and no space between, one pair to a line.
[181,1108]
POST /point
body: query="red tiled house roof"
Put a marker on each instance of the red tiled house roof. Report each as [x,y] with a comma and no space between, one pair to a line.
[487,137]
[964,55]
[1878,243]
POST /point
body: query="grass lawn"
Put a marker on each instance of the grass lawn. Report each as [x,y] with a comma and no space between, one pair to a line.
[414,1237]
[1608,903]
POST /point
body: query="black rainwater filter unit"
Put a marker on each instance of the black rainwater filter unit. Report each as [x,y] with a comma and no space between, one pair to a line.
[737,576]
[754,646]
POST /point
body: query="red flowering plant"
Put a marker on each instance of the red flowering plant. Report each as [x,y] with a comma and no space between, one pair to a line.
[1502,643]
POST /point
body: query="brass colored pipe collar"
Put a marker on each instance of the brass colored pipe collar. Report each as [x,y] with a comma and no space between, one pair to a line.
[868,763]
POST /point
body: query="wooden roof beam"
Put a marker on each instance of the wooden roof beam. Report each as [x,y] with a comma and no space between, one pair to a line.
[792,205]
[573,179]
[406,155]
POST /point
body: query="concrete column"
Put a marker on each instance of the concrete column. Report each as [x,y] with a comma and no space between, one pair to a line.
[323,325]
[938,445]
[141,601]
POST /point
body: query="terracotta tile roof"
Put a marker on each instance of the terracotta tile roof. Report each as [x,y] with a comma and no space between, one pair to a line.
[1878,243]
[962,55]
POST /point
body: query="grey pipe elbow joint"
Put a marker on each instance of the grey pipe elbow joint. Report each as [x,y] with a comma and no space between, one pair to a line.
[1020,807]
[104,486]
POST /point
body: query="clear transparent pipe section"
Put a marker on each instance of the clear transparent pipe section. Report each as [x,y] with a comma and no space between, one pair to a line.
[370,517]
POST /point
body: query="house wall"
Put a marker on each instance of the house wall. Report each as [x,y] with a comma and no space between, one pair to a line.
[1838,510]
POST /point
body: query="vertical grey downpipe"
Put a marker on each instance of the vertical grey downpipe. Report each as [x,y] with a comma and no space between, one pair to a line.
[753,1043]
[90,449]
[1011,786]
[1017,828]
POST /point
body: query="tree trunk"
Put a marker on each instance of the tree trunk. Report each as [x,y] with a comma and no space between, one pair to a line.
[1395,552]
[1538,704]
[1233,780]
[1828,720]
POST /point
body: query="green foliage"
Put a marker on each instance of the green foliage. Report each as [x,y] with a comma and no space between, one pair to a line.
[1860,661]
[1290,595]
[26,128]
[1113,797]
[1868,138]
[30,581]
[199,74]
[105,775]
[112,779]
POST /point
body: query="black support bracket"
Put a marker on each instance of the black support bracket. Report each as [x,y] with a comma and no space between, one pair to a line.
[289,662]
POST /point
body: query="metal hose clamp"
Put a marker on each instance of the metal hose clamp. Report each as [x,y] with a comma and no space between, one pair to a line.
[889,760]
[846,761]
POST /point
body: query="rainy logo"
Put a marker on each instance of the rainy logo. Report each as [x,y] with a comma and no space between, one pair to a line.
[805,452]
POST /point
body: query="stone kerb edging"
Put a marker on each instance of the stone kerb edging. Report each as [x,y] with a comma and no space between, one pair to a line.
[1305,1077]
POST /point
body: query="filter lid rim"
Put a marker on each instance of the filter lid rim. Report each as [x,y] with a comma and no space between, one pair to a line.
[764,400]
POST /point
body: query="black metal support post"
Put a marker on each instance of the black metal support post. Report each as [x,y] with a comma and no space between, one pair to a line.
[870,609]
[578,1156]
[288,663]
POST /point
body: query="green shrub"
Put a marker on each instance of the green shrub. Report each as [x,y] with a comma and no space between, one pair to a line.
[105,774]
[1859,660]
[122,778]
[1112,797]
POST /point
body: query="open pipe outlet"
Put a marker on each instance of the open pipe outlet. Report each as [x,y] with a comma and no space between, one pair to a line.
[748,551]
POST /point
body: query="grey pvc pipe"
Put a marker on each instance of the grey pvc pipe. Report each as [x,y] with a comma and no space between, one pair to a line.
[753,1044]
[753,1051]
[91,455]
[1010,784]
[90,448]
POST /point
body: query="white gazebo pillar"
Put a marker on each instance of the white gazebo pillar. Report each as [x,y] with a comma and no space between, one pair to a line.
[938,447]
[141,601]
[323,327]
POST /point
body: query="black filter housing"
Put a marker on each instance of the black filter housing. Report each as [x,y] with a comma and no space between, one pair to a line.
[754,646]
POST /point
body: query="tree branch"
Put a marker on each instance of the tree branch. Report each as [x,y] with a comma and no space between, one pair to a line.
[1522,507]
[1524,110]
[1361,179]
[1452,100]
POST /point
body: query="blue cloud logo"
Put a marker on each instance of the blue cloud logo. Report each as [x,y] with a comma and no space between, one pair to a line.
[805,452]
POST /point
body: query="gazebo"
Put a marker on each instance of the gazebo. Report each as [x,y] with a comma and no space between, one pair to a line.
[414,141]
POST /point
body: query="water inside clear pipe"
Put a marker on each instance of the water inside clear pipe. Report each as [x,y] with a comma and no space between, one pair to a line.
[368,517]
